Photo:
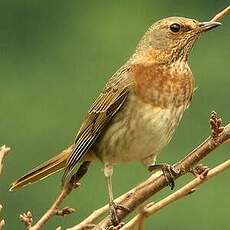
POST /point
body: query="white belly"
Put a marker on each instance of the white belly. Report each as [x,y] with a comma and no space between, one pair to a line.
[138,132]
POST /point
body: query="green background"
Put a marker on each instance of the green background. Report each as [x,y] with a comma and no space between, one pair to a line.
[55,56]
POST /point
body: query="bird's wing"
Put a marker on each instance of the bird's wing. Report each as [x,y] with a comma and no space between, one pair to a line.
[107,104]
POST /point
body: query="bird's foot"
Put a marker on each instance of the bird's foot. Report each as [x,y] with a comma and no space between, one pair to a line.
[169,172]
[113,214]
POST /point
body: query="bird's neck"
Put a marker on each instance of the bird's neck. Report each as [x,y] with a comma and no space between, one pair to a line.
[156,56]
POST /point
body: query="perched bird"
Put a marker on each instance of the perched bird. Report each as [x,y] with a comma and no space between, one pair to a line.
[139,108]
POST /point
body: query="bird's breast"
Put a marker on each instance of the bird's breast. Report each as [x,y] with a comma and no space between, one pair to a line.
[138,131]
[163,85]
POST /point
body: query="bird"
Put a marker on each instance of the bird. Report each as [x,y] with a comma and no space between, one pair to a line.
[139,108]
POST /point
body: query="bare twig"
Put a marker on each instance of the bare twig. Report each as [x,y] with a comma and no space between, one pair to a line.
[2,222]
[221,15]
[3,151]
[91,218]
[140,221]
[54,209]
[142,192]
[150,209]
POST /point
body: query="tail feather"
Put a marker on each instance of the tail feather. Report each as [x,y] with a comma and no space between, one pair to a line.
[42,171]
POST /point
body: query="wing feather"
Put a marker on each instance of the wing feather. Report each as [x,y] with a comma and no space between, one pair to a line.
[101,112]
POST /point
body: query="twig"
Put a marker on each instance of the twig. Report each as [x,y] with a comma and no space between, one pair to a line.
[180,193]
[221,15]
[2,222]
[3,151]
[27,219]
[142,192]
[54,209]
[140,221]
[91,218]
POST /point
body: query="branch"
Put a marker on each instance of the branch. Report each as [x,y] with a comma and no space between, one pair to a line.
[136,196]
[26,218]
[3,152]
[2,222]
[221,15]
[150,209]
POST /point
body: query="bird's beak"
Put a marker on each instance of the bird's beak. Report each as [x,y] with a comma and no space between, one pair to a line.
[206,26]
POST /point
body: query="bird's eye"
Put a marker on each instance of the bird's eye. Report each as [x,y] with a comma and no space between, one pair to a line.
[175,27]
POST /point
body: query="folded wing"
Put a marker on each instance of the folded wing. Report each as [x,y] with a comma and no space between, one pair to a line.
[99,115]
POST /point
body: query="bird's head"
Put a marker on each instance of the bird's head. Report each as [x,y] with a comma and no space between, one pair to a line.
[172,38]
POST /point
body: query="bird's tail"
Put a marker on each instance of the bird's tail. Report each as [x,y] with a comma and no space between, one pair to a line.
[42,171]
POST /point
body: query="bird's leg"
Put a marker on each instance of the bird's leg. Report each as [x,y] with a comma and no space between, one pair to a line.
[108,171]
[168,170]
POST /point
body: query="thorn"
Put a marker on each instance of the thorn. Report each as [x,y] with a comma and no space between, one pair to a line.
[204,174]
[65,211]
[191,191]
[150,204]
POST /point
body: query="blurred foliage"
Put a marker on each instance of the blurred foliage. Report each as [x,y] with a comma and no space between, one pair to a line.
[54,59]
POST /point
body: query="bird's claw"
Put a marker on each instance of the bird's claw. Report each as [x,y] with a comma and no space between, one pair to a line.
[169,172]
[113,214]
